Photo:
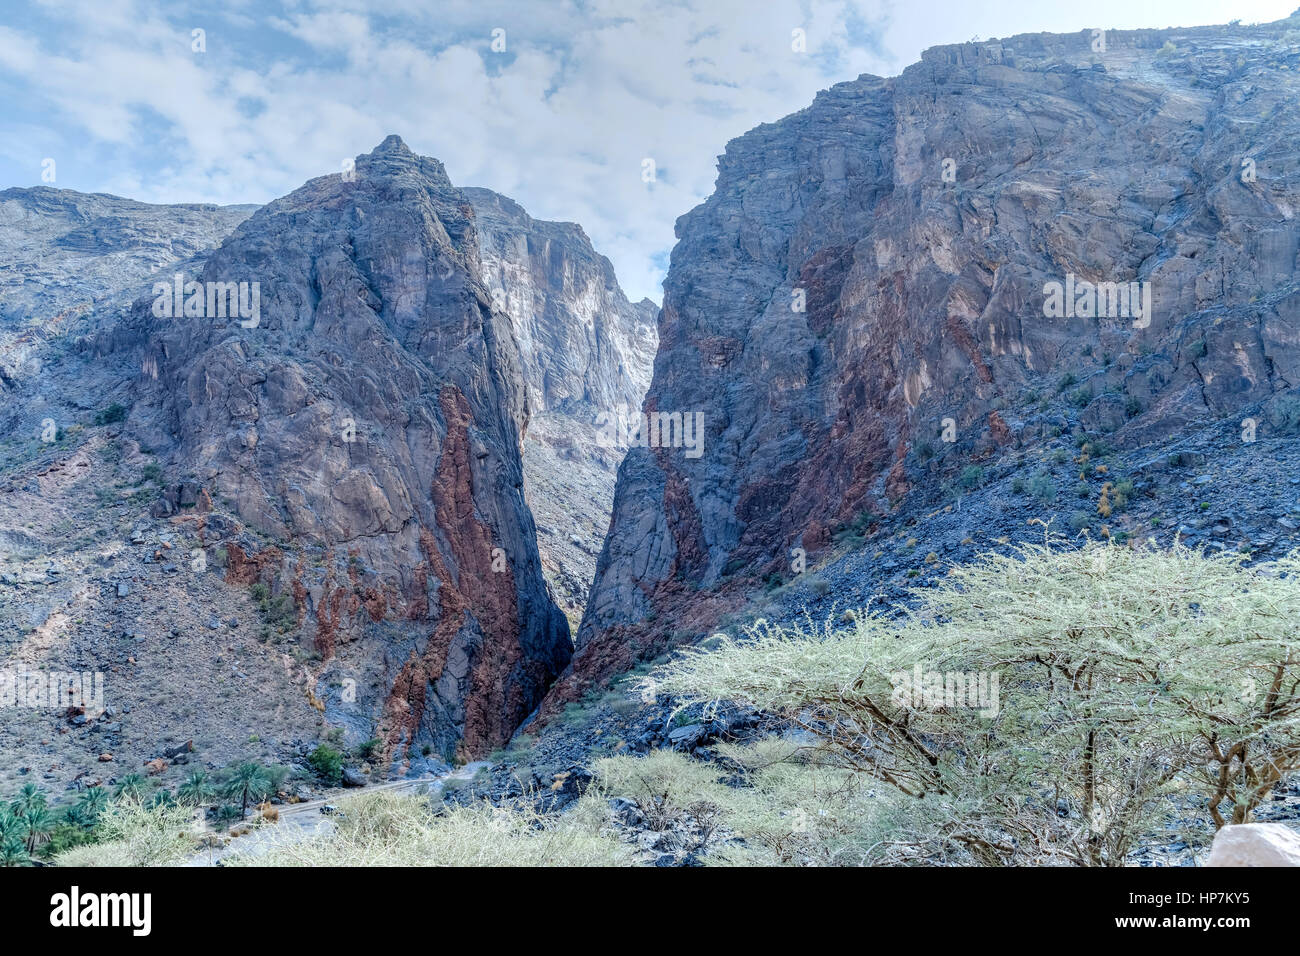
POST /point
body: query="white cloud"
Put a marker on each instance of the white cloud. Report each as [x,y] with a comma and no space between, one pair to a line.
[561,122]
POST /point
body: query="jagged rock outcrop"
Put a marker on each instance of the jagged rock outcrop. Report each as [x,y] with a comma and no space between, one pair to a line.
[361,421]
[65,253]
[585,351]
[860,312]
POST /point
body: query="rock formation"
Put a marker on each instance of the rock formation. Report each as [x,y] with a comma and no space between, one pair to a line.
[870,304]
[337,434]
[64,254]
[362,425]
[586,352]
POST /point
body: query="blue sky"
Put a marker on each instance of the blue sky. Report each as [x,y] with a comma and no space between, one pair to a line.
[560,120]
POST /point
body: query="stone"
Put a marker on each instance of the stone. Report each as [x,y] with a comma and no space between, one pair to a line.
[1255,844]
[416,511]
[835,298]
[352,777]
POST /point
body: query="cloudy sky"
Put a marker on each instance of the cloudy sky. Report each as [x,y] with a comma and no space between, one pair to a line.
[560,119]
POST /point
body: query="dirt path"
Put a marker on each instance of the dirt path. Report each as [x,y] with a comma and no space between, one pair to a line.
[299,821]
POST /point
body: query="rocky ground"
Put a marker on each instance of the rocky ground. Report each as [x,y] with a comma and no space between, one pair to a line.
[1192,489]
[91,581]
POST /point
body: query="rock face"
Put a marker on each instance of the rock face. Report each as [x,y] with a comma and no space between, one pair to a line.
[863,312]
[346,459]
[585,351]
[64,253]
[1255,844]
[360,421]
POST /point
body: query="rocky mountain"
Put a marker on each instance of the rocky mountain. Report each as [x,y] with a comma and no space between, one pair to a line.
[1025,282]
[586,351]
[64,254]
[305,471]
[368,425]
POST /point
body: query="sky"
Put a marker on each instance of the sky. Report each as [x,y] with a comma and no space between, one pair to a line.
[555,103]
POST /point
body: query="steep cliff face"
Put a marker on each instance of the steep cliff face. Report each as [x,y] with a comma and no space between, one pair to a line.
[863,310]
[360,421]
[586,352]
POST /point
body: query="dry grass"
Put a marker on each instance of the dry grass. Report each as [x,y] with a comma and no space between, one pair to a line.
[391,829]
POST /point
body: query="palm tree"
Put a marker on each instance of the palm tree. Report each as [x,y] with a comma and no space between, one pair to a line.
[85,812]
[92,803]
[36,823]
[29,796]
[247,781]
[32,815]
[13,852]
[132,785]
[196,788]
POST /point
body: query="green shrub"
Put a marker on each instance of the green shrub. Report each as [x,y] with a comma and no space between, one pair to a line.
[111,415]
[1122,492]
[1042,487]
[972,476]
[367,750]
[327,763]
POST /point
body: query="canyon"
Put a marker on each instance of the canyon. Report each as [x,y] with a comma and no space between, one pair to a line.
[391,510]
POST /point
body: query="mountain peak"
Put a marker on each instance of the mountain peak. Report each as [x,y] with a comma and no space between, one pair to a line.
[392,145]
[394,156]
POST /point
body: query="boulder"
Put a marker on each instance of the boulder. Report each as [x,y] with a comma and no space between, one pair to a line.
[352,777]
[1255,844]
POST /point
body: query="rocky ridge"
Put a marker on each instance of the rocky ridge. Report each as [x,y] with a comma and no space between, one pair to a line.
[860,314]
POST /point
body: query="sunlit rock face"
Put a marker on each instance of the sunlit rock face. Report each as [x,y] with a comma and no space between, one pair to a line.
[586,354]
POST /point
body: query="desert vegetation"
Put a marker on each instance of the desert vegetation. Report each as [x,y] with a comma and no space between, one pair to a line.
[1116,685]
[1128,678]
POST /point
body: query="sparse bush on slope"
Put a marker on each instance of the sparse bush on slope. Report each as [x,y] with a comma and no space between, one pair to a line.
[388,829]
[1124,675]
